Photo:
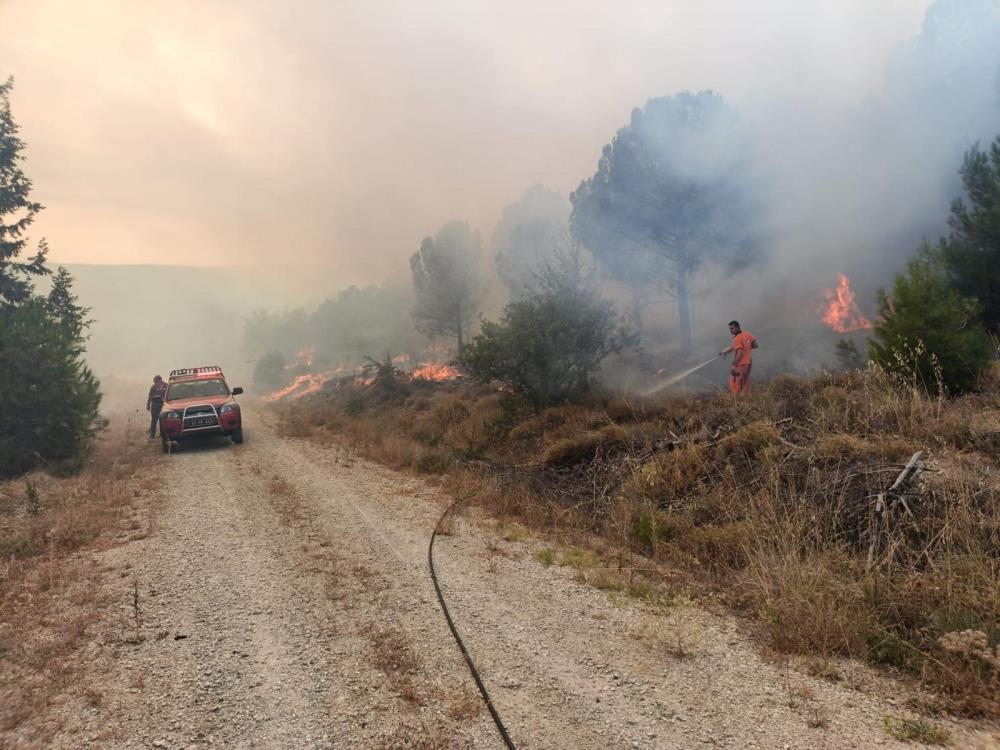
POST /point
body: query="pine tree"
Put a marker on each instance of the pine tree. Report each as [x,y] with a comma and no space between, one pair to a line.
[49,399]
[929,334]
[17,212]
[71,317]
[973,250]
[670,195]
[446,281]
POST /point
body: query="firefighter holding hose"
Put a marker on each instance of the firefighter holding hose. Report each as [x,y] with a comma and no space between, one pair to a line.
[739,372]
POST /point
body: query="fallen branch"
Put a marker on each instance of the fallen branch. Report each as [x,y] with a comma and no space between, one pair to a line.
[895,495]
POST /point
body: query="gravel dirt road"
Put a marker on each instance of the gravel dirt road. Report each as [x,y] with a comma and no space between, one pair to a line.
[282,600]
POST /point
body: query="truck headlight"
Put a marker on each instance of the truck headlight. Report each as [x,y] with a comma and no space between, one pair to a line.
[226,408]
[173,415]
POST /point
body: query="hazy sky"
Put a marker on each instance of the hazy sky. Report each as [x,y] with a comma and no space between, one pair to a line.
[242,132]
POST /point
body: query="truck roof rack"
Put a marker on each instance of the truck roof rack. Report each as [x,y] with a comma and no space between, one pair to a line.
[187,372]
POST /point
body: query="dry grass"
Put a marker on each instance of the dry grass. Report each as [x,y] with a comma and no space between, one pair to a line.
[677,636]
[766,499]
[511,532]
[584,447]
[822,667]
[424,736]
[281,488]
[982,741]
[915,730]
[579,558]
[494,554]
[464,705]
[546,556]
[605,579]
[817,718]
[446,524]
[50,595]
[394,656]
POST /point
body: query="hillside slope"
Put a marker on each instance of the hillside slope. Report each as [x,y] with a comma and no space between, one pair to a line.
[767,500]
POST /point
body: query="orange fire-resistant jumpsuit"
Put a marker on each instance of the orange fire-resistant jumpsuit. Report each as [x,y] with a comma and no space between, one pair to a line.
[739,373]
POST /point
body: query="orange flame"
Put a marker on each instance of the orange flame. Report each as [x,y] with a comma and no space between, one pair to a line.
[312,382]
[303,358]
[307,355]
[841,311]
[435,371]
[301,386]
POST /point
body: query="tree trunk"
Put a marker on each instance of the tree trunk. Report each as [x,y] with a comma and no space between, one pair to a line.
[461,340]
[637,314]
[683,308]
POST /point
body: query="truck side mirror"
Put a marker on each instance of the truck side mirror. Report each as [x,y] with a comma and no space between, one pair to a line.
[237,391]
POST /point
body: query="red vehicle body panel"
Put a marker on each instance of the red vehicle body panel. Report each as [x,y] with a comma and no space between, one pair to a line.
[183,418]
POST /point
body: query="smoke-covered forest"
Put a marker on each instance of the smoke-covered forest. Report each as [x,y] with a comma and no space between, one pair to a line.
[423,375]
[699,211]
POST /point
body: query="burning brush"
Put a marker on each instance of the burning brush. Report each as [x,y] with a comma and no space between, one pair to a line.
[840,311]
[308,383]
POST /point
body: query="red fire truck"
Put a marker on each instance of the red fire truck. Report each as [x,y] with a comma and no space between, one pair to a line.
[199,402]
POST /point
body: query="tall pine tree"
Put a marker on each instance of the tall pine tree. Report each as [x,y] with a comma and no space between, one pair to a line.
[17,212]
[49,399]
[62,305]
[972,252]
[446,281]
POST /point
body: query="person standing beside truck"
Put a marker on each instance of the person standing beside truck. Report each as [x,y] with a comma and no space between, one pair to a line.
[154,403]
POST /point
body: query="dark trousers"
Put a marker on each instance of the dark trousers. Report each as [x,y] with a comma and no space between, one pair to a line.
[154,416]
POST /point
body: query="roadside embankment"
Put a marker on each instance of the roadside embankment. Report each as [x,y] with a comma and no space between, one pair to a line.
[767,501]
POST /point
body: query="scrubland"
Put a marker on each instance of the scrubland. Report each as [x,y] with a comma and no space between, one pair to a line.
[765,501]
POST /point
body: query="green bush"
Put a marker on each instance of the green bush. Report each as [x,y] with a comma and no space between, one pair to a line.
[548,346]
[928,334]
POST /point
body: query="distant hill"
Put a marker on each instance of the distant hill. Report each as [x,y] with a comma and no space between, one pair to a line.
[150,319]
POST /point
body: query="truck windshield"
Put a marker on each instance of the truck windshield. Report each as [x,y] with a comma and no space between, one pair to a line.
[197,389]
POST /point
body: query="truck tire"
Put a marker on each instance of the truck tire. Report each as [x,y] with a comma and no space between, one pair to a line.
[237,436]
[165,444]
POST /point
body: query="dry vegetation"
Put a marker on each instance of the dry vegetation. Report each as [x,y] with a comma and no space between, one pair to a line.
[766,498]
[396,658]
[50,599]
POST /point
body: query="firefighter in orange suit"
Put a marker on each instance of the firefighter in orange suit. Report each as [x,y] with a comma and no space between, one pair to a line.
[739,373]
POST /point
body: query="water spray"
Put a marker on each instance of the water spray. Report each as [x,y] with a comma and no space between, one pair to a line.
[678,377]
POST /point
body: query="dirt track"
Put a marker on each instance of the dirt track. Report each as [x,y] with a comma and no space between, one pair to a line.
[284,601]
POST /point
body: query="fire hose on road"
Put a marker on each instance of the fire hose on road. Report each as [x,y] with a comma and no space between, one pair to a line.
[458,639]
[501,728]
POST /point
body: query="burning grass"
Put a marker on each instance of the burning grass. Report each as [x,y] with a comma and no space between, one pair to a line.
[767,499]
[375,373]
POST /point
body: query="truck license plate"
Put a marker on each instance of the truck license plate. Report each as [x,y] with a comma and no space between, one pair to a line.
[201,422]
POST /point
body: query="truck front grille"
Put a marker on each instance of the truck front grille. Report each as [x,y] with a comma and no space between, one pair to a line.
[199,417]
